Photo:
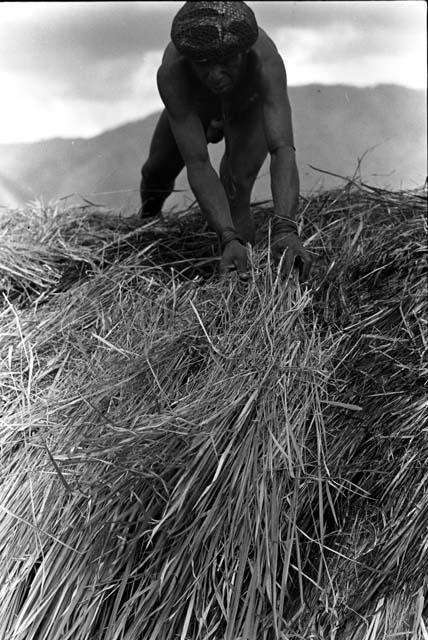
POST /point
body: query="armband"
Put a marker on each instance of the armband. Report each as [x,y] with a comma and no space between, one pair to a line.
[283,224]
[227,235]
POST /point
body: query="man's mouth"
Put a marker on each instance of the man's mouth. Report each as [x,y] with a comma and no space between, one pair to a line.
[221,87]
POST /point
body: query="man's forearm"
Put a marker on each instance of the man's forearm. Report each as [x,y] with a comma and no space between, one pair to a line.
[284,185]
[210,194]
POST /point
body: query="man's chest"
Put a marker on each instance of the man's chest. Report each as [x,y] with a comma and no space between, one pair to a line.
[225,108]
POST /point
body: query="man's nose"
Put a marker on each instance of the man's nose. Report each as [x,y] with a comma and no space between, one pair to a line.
[216,74]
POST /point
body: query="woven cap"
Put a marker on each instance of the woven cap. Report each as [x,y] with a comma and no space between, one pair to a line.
[213,31]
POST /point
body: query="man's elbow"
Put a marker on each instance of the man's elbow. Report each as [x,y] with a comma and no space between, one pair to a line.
[283,150]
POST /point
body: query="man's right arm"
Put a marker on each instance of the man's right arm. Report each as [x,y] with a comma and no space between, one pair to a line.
[191,140]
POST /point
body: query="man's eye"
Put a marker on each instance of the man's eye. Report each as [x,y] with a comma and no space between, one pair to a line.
[231,60]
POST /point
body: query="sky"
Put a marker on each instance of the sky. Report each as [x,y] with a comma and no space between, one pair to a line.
[75,69]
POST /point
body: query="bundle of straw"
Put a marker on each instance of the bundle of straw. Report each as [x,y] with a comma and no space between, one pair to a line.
[47,249]
[377,293]
[194,458]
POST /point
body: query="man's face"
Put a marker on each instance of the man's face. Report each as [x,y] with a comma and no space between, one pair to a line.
[219,77]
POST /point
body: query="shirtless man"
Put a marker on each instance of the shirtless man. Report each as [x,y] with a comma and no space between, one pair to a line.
[221,75]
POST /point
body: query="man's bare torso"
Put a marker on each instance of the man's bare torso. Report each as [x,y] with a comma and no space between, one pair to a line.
[208,106]
[246,95]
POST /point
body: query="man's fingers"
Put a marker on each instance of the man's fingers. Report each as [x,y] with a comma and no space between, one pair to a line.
[244,274]
[275,255]
[305,267]
[225,267]
[287,256]
[288,263]
[278,252]
[235,263]
[288,250]
[242,269]
[291,259]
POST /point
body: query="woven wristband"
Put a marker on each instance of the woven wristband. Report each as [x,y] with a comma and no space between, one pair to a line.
[282,224]
[227,235]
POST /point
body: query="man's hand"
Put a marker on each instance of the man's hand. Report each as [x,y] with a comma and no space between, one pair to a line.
[235,257]
[294,253]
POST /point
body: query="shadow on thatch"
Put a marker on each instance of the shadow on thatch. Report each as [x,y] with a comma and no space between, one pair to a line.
[182,246]
[77,243]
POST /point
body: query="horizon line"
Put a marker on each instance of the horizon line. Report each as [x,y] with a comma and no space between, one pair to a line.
[124,123]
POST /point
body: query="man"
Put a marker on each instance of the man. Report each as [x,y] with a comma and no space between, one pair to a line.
[222,76]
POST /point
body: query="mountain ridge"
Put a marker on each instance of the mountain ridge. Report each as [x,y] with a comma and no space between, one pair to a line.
[334,126]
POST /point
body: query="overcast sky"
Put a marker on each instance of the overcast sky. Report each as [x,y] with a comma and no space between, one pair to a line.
[74,69]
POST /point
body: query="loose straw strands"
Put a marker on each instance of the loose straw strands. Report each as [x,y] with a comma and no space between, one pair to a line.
[188,438]
[43,250]
[213,459]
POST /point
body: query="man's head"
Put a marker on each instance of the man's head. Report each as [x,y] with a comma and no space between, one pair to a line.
[214,36]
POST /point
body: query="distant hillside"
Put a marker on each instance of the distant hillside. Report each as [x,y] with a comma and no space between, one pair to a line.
[334,127]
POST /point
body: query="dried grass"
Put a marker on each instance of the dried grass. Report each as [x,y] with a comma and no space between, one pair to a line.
[185,457]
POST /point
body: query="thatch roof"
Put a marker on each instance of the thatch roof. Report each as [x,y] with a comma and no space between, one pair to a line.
[185,457]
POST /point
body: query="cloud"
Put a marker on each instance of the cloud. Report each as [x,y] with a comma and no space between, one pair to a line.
[86,50]
[74,68]
[29,108]
[91,30]
[364,15]
[360,43]
[93,50]
[353,55]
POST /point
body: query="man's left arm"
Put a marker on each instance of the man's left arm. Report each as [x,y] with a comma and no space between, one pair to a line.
[283,168]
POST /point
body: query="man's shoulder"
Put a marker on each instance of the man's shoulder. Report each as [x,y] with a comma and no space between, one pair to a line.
[268,63]
[172,75]
[265,49]
[172,64]
[174,81]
